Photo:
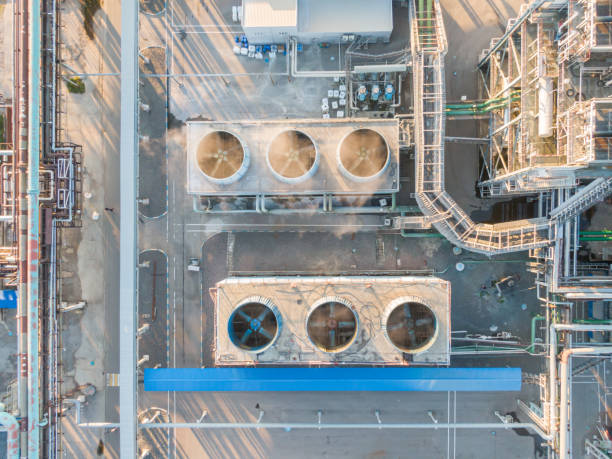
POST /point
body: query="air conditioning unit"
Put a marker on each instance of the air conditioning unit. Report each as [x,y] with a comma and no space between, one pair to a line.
[330,320]
[293,157]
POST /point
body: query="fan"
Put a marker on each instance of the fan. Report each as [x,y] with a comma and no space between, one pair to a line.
[220,155]
[411,326]
[253,326]
[292,154]
[332,326]
[364,153]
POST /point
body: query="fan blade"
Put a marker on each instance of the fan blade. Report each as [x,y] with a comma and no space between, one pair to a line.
[346,324]
[318,324]
[264,332]
[263,314]
[412,337]
[395,326]
[246,336]
[244,315]
[407,311]
[421,322]
[332,338]
[331,310]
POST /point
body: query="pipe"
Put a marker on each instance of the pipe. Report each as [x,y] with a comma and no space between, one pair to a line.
[310,74]
[33,230]
[349,426]
[534,319]
[12,434]
[566,356]
[20,164]
[89,425]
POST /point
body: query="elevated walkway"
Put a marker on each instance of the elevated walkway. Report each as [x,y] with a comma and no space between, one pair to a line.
[429,49]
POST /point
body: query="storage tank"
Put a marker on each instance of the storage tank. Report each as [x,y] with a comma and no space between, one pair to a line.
[222,157]
[545,107]
[409,324]
[293,156]
[363,155]
[332,324]
[255,324]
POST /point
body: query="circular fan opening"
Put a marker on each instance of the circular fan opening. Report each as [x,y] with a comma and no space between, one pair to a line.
[332,326]
[292,156]
[220,156]
[253,326]
[363,154]
[411,326]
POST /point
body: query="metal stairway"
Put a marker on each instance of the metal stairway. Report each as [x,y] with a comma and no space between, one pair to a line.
[429,49]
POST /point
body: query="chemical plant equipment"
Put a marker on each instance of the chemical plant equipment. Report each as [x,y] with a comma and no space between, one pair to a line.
[293,156]
[363,155]
[267,165]
[375,93]
[254,324]
[379,320]
[332,324]
[222,157]
[410,324]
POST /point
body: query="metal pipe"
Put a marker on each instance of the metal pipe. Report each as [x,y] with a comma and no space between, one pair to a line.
[314,425]
[33,229]
[564,431]
[89,425]
[20,162]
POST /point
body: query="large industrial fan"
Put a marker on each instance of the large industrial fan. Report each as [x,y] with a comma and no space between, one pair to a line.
[332,325]
[292,155]
[411,326]
[253,326]
[220,155]
[363,153]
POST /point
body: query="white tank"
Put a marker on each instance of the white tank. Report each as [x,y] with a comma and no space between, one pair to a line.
[545,107]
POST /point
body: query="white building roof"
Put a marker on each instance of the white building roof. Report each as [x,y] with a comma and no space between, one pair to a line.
[269,13]
[345,16]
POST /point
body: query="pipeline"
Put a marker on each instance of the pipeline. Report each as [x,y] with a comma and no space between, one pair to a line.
[21,69]
[33,230]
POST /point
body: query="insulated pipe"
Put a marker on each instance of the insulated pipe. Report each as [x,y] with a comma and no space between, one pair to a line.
[12,434]
[89,425]
[33,229]
[349,426]
[20,162]
[566,356]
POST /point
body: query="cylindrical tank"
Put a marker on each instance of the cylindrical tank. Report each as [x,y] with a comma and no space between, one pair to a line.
[375,92]
[389,92]
[222,157]
[545,107]
[362,93]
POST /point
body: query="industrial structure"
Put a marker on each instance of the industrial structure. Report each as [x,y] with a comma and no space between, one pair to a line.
[367,156]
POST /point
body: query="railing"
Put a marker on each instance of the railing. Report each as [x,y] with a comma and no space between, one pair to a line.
[429,48]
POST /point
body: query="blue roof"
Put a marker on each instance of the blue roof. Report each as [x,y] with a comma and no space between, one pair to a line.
[332,379]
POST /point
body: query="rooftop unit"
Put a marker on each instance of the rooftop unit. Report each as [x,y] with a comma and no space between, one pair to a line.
[301,157]
[319,320]
[274,21]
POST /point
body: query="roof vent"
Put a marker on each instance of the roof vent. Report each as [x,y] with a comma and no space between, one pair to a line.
[363,155]
[332,324]
[222,157]
[255,324]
